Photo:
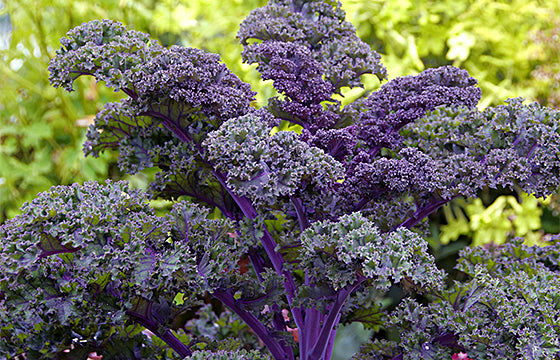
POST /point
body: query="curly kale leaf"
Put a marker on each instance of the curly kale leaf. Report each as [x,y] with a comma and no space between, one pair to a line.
[318,26]
[310,52]
[456,151]
[104,49]
[508,308]
[76,263]
[82,262]
[264,167]
[176,96]
[338,254]
[508,146]
[406,99]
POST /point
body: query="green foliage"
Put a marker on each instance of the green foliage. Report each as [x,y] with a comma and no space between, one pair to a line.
[493,40]
[503,219]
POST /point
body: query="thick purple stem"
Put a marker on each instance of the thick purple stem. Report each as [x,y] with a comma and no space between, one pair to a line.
[130,93]
[300,211]
[268,242]
[277,351]
[269,246]
[332,320]
[167,336]
[425,211]
[170,125]
[310,333]
[330,344]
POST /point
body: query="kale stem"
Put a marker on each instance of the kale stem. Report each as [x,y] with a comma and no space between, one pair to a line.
[330,344]
[269,246]
[277,351]
[312,323]
[167,336]
[330,323]
[302,216]
[425,211]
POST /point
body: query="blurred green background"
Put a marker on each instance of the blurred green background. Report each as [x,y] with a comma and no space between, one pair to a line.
[512,48]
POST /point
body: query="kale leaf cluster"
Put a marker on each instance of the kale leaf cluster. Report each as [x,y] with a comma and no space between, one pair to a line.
[292,218]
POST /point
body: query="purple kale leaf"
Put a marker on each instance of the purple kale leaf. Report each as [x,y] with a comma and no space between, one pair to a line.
[403,100]
[310,52]
[506,308]
[87,261]
[76,263]
[294,232]
[264,167]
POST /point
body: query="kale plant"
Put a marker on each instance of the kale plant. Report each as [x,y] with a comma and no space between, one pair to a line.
[294,217]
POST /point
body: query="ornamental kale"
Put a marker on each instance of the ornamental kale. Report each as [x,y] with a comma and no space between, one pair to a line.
[292,218]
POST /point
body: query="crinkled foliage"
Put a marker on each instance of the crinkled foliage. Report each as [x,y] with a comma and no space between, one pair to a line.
[264,167]
[512,145]
[404,100]
[310,52]
[308,229]
[229,355]
[508,308]
[456,151]
[176,96]
[318,26]
[75,261]
[351,249]
[82,262]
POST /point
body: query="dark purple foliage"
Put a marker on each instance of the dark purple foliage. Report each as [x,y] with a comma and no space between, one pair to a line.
[294,70]
[310,52]
[318,26]
[293,232]
[406,99]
